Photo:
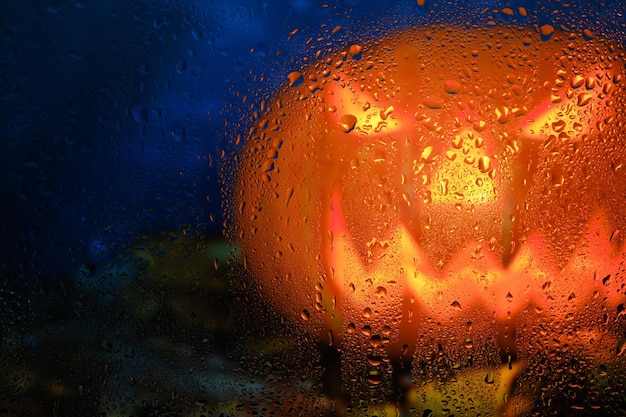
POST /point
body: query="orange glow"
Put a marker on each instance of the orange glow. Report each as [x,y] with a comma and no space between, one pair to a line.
[447,175]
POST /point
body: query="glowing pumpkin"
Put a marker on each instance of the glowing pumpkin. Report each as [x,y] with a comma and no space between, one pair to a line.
[452,175]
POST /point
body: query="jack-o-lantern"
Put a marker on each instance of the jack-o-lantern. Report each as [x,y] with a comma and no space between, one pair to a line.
[451,175]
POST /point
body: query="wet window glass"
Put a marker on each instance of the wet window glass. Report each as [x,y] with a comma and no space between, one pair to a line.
[302,208]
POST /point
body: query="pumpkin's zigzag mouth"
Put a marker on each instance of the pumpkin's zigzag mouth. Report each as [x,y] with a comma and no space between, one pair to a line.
[475,274]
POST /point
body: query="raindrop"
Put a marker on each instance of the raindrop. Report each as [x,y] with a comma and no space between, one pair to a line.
[347,123]
[295,78]
[433,102]
[267,166]
[584,99]
[444,187]
[374,360]
[502,114]
[428,154]
[546,31]
[484,164]
[452,86]
[355,51]
[140,114]
[375,341]
[385,113]
[374,379]
[577,81]
[178,132]
[558,126]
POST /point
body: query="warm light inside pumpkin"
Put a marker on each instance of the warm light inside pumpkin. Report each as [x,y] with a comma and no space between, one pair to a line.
[439,186]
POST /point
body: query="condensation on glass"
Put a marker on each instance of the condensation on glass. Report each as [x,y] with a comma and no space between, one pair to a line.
[305,208]
[440,210]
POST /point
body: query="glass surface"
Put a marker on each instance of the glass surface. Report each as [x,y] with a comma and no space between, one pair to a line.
[405,208]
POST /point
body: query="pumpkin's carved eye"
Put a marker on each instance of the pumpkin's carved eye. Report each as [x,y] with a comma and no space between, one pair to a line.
[469,165]
[356,110]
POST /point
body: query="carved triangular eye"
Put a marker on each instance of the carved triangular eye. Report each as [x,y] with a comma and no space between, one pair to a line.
[355,109]
[568,114]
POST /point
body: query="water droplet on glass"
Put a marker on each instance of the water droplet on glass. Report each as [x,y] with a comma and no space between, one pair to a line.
[428,154]
[444,187]
[433,102]
[484,164]
[375,341]
[295,78]
[558,126]
[546,31]
[502,114]
[374,360]
[355,51]
[140,114]
[452,86]
[384,114]
[577,81]
[347,123]
[584,99]
[267,166]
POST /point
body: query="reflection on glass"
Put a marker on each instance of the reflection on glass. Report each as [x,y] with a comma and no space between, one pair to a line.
[440,209]
[336,208]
